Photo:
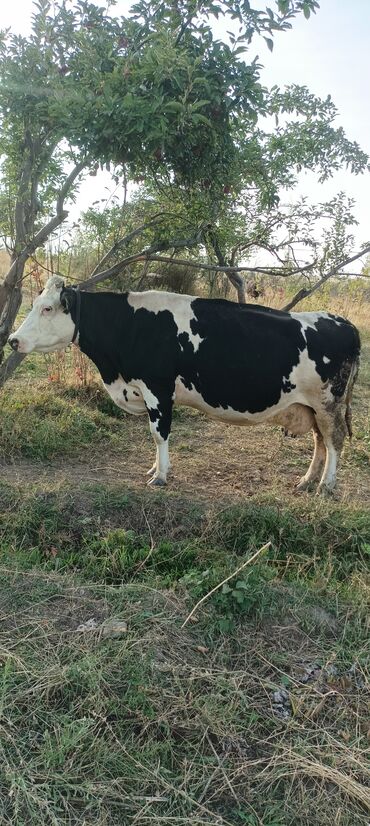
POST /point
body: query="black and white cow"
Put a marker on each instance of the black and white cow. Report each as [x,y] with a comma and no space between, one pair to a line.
[240,364]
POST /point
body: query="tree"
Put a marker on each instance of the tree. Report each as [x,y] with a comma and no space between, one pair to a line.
[157,95]
[300,239]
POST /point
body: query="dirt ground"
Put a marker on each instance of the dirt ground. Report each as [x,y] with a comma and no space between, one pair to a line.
[209,461]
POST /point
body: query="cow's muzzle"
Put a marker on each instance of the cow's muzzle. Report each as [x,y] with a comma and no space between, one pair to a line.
[14,343]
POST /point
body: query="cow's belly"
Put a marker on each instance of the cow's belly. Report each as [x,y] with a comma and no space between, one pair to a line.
[292,412]
[127,396]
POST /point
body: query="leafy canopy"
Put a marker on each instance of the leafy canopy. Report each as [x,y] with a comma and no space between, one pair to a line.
[171,105]
[158,92]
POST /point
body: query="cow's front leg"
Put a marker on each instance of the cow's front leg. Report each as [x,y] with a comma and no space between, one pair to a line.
[162,461]
[159,406]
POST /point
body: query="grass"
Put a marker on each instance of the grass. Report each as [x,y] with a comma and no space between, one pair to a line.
[41,424]
[164,724]
[167,725]
[112,713]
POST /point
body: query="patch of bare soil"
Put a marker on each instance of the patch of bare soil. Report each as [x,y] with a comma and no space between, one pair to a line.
[55,608]
[210,461]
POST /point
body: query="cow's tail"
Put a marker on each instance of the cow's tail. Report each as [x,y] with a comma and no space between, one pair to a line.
[349,392]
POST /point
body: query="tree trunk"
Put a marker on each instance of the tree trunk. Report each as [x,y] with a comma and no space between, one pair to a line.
[9,366]
[10,300]
[11,288]
[234,276]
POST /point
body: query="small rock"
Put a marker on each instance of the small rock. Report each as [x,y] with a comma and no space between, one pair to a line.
[89,625]
[281,704]
[113,629]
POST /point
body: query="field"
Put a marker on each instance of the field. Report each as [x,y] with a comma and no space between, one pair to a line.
[114,712]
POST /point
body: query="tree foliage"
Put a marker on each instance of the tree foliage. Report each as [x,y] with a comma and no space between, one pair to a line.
[169,103]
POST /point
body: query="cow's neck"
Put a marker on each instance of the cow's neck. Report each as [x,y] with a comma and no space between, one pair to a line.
[105,331]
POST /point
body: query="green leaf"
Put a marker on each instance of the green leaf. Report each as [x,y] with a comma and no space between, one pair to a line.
[283,6]
[270,43]
[199,104]
[174,106]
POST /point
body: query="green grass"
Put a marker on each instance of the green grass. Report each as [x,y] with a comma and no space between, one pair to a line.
[164,724]
[167,724]
[106,533]
[42,424]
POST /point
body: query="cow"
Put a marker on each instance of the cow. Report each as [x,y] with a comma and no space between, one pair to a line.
[240,364]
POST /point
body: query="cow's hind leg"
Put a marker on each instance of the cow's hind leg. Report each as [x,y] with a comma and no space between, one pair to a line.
[332,426]
[316,466]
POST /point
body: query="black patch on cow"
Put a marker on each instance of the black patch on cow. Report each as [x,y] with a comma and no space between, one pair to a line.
[133,344]
[154,414]
[339,341]
[244,359]
[136,393]
[125,396]
[245,354]
[288,386]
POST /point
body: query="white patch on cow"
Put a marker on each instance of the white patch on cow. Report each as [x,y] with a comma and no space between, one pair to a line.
[47,327]
[309,388]
[126,396]
[179,305]
[309,320]
[151,400]
[326,360]
[162,461]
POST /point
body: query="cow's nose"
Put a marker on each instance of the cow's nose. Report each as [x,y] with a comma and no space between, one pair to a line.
[14,343]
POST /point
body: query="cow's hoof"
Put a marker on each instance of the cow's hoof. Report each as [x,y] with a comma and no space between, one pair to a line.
[156,482]
[304,484]
[153,470]
[324,491]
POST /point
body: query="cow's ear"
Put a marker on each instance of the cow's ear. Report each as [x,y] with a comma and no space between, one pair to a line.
[66,299]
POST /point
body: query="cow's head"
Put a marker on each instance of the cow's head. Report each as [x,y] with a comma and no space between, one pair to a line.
[49,325]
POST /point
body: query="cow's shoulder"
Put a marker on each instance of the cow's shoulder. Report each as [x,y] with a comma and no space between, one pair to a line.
[157,301]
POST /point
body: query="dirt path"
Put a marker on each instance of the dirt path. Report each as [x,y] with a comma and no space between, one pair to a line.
[209,462]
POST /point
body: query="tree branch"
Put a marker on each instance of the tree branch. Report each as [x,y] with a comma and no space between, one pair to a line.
[185,262]
[124,241]
[10,365]
[304,293]
[182,31]
[236,279]
[69,181]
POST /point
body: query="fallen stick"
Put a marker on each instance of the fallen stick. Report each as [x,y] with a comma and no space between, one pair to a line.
[220,584]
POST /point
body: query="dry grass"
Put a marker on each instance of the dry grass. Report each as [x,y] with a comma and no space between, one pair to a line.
[166,724]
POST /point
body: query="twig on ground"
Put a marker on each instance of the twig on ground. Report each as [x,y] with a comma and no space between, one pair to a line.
[220,584]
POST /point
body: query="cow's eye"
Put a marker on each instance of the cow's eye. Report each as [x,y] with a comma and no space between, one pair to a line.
[46,310]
